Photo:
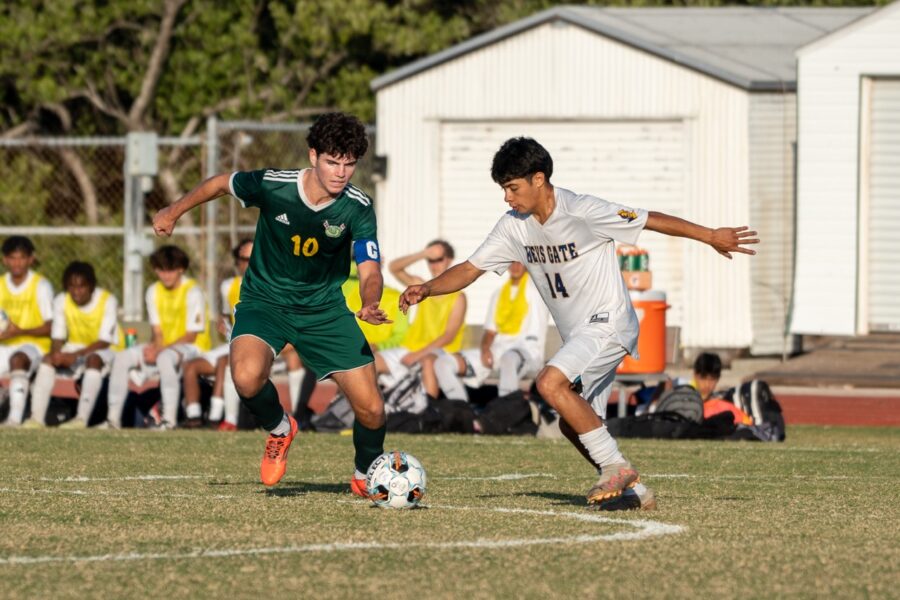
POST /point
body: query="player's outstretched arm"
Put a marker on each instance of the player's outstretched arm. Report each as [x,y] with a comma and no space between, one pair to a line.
[452,280]
[371,285]
[724,240]
[212,188]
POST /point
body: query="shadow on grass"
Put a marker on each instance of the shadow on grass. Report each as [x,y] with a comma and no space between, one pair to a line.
[558,499]
[299,488]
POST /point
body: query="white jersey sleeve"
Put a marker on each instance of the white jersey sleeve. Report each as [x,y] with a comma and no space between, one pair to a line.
[608,220]
[497,251]
[224,288]
[109,325]
[196,310]
[59,331]
[45,299]
[152,309]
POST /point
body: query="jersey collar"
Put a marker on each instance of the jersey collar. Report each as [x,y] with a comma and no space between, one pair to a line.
[305,200]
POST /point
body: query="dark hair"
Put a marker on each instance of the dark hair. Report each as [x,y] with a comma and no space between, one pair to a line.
[338,134]
[18,243]
[520,157]
[79,269]
[448,249]
[169,258]
[236,251]
[708,364]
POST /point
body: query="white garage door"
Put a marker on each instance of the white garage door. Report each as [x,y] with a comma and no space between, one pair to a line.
[884,206]
[640,163]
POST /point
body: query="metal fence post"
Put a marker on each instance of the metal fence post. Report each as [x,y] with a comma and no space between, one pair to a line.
[212,166]
[141,160]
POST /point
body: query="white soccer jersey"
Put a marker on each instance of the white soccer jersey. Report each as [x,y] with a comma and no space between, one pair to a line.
[108,327]
[533,334]
[572,260]
[196,308]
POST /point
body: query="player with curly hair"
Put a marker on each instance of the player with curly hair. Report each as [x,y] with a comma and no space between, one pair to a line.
[309,220]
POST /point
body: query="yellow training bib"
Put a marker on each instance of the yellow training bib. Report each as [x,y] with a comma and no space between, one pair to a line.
[172,308]
[430,323]
[511,312]
[23,310]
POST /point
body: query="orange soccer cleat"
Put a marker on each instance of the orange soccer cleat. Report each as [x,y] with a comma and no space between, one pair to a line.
[274,461]
[359,488]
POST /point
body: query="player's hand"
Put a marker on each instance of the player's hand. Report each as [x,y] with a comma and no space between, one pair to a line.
[150,353]
[65,359]
[164,222]
[412,295]
[372,314]
[410,358]
[11,331]
[487,358]
[726,240]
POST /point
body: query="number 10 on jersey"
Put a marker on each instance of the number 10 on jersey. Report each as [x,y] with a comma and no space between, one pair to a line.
[557,283]
[308,248]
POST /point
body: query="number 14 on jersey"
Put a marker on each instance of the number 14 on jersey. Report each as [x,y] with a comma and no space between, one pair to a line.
[556,285]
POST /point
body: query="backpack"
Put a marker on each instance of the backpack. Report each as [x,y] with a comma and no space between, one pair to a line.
[337,417]
[684,401]
[757,400]
[407,395]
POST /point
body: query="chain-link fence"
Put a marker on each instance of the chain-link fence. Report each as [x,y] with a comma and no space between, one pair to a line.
[79,199]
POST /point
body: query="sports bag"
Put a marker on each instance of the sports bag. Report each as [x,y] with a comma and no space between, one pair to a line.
[684,401]
[757,400]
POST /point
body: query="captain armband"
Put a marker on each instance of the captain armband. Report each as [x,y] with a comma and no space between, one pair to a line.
[364,250]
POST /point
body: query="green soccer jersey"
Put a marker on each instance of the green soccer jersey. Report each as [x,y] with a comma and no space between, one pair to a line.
[301,253]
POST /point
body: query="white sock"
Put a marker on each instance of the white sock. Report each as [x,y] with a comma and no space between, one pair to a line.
[41,391]
[193,410]
[358,475]
[295,379]
[231,398]
[18,395]
[282,428]
[640,488]
[90,389]
[601,446]
[169,384]
[445,369]
[118,382]
[216,408]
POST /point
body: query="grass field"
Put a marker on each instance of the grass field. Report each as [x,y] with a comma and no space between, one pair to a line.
[128,514]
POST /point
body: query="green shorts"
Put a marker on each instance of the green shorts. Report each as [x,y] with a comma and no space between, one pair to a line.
[328,340]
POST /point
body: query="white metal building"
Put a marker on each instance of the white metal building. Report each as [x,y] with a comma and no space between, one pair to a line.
[848,182]
[687,111]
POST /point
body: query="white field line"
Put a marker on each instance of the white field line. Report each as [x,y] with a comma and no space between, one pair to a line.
[504,477]
[130,478]
[750,477]
[644,529]
[104,493]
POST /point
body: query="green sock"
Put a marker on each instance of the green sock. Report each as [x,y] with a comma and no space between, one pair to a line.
[369,444]
[265,407]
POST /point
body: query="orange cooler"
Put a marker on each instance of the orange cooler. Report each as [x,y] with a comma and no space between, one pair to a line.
[650,307]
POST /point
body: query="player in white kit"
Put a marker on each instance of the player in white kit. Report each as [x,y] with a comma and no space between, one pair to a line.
[567,242]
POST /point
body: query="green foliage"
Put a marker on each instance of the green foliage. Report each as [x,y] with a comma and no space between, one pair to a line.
[24,193]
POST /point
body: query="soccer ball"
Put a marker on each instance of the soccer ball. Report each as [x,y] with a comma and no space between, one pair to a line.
[4,320]
[396,480]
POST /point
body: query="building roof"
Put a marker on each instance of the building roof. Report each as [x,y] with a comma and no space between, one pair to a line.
[749,47]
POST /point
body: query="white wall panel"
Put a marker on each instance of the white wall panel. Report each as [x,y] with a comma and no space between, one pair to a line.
[636,163]
[772,135]
[554,73]
[828,90]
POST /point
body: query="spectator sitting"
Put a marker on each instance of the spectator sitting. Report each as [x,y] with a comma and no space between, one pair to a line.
[515,331]
[707,372]
[439,322]
[27,299]
[180,326]
[85,337]
[380,337]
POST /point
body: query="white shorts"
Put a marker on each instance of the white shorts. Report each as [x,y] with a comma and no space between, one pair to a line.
[140,372]
[213,356]
[396,369]
[77,369]
[477,373]
[593,355]
[33,353]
